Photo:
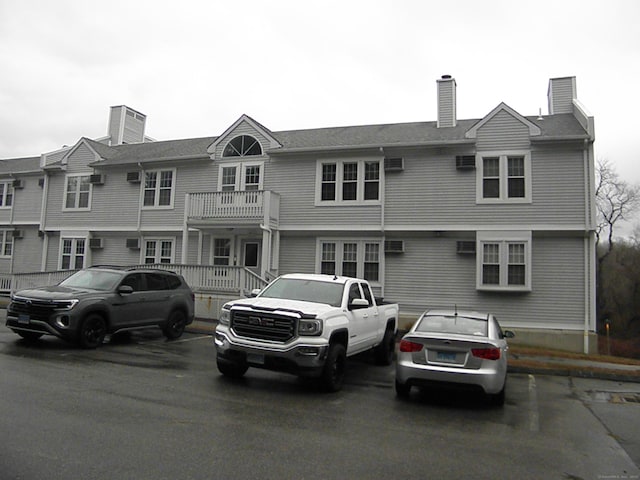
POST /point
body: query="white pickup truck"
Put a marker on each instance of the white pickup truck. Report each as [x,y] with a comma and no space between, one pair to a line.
[307,325]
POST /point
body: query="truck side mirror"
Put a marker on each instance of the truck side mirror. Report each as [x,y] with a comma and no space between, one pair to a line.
[358,303]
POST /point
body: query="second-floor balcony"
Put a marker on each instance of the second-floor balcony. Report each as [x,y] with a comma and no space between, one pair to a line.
[218,208]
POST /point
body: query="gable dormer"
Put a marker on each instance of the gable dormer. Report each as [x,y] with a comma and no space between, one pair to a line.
[245,138]
[503,127]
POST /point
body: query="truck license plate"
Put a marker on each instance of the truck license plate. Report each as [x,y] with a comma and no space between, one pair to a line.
[446,356]
[24,318]
[255,358]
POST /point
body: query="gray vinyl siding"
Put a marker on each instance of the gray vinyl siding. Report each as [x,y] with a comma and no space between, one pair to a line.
[502,132]
[431,274]
[27,201]
[295,181]
[297,254]
[20,261]
[432,193]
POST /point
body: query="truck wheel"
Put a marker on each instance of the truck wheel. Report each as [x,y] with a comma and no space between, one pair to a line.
[334,368]
[175,325]
[92,331]
[232,369]
[383,353]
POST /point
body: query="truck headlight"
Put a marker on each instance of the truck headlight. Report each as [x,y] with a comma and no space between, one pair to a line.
[309,327]
[225,317]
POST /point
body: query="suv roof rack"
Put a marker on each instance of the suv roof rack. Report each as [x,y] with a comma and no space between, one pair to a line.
[129,268]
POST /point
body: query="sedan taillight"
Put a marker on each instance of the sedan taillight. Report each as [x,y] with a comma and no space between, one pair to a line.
[486,353]
[407,346]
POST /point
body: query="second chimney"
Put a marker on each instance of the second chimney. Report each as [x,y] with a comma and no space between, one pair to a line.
[446,101]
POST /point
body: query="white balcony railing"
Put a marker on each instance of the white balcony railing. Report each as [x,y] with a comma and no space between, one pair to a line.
[226,205]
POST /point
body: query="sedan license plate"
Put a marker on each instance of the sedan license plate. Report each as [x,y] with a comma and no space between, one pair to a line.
[24,318]
[255,358]
[446,356]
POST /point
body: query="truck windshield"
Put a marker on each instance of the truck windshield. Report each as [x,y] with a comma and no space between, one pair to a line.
[305,290]
[92,280]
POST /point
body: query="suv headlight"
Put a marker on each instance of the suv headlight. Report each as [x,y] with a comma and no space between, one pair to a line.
[309,327]
[67,304]
[225,317]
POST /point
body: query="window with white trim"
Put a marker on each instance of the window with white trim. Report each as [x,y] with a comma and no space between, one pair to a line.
[77,192]
[222,251]
[6,239]
[360,259]
[6,194]
[355,181]
[72,255]
[242,146]
[158,250]
[504,177]
[245,177]
[159,188]
[504,261]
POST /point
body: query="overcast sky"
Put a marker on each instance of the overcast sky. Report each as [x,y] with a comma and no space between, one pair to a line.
[194,67]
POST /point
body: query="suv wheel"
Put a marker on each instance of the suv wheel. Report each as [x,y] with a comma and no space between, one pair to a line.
[175,325]
[92,331]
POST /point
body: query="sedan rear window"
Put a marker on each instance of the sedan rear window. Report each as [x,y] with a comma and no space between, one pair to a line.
[456,324]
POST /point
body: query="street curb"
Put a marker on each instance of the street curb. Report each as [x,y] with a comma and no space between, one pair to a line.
[575,372]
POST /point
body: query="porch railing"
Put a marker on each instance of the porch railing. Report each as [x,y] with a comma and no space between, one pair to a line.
[256,205]
[201,278]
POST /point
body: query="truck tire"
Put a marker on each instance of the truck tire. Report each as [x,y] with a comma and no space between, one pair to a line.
[334,368]
[92,331]
[383,353]
[232,369]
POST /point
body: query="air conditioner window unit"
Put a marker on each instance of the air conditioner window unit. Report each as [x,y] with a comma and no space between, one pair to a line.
[394,164]
[18,183]
[465,162]
[96,179]
[133,177]
[18,234]
[394,246]
[95,243]
[466,246]
[133,243]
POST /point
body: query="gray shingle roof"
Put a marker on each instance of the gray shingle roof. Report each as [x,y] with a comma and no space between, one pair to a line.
[386,135]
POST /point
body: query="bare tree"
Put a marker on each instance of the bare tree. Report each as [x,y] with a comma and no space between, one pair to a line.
[615,200]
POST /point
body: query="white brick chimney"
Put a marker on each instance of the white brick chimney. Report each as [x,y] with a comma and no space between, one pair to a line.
[446,101]
[561,94]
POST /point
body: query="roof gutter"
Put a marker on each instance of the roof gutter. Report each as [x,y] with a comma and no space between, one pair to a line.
[377,147]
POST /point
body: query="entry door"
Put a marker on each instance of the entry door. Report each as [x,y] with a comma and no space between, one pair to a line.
[251,255]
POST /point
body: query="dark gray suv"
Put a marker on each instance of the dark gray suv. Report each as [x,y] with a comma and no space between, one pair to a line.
[97,301]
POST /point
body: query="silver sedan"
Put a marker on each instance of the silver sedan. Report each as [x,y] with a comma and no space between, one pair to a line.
[452,348]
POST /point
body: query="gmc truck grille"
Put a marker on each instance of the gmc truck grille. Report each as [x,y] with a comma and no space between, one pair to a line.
[38,310]
[263,326]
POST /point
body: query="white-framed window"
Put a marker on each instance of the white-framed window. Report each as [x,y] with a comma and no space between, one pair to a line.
[6,194]
[242,146]
[504,261]
[6,245]
[348,182]
[72,253]
[158,250]
[350,258]
[245,177]
[159,188]
[77,192]
[503,177]
[222,251]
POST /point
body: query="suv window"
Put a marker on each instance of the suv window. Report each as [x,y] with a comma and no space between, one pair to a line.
[134,281]
[174,282]
[156,281]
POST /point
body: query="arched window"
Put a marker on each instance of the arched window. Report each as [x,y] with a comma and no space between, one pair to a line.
[242,146]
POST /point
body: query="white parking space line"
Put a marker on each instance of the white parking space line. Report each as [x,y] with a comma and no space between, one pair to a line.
[534,414]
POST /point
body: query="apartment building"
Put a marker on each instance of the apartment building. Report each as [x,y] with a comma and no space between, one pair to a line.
[495,213]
